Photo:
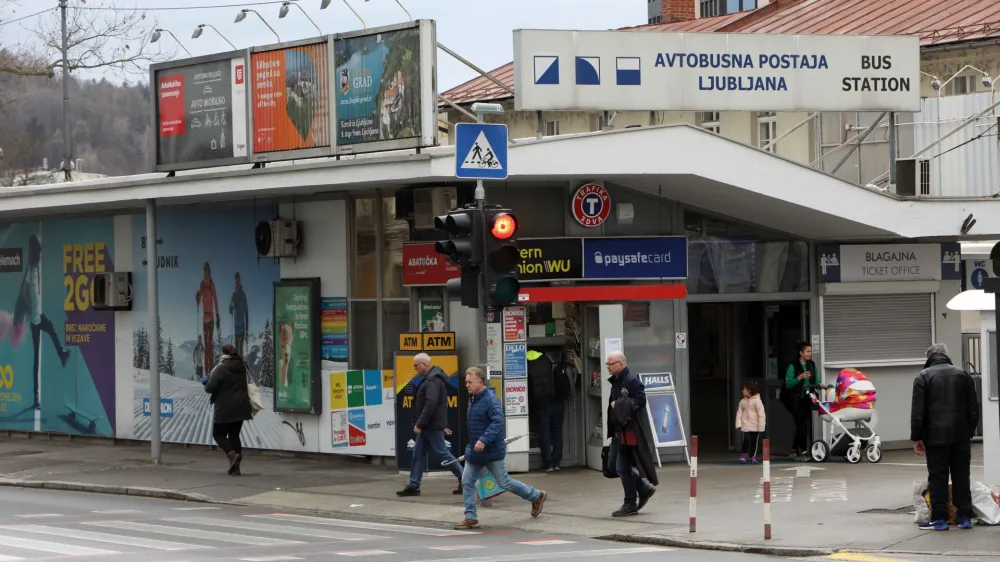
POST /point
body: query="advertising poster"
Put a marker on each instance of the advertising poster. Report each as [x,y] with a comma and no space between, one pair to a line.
[431,316]
[515,397]
[513,323]
[212,291]
[334,329]
[201,113]
[665,418]
[422,265]
[57,366]
[515,360]
[378,87]
[296,333]
[362,412]
[291,99]
[654,257]
[407,382]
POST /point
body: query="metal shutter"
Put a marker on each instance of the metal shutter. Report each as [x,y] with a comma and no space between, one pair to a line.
[860,328]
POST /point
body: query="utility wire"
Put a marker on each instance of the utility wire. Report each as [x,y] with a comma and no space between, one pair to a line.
[8,22]
[177,8]
[975,138]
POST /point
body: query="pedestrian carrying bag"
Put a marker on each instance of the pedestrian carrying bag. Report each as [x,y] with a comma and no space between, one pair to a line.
[256,404]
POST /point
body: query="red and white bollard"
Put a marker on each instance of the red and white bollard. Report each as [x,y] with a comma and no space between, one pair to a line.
[767,489]
[693,510]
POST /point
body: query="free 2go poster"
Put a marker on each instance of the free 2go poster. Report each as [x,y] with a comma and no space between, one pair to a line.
[297,349]
[57,366]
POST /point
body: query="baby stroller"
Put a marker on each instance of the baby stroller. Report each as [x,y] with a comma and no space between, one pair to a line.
[852,401]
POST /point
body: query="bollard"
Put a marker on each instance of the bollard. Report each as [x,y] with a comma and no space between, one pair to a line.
[767,489]
[693,513]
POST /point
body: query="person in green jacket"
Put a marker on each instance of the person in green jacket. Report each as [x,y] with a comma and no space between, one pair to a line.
[800,373]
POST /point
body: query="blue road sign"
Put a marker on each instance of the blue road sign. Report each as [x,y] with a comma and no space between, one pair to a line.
[481,151]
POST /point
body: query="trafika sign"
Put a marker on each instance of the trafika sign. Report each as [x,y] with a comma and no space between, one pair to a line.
[591,205]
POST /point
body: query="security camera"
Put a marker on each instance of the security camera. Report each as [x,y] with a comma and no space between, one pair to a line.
[936,84]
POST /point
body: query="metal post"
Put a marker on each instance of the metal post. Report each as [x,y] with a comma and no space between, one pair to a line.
[483,293]
[67,139]
[892,147]
[152,272]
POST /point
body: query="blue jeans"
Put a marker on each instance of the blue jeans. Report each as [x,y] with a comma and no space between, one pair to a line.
[550,429]
[629,474]
[433,438]
[499,471]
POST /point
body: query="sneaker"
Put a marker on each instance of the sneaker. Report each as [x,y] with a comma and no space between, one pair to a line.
[467,524]
[556,468]
[743,459]
[644,498]
[548,469]
[939,525]
[754,461]
[536,506]
[626,511]
[408,491]
[964,522]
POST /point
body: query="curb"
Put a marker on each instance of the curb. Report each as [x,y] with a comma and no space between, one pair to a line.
[158,493]
[787,551]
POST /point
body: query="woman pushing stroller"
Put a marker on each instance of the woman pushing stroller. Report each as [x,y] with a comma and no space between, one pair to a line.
[800,374]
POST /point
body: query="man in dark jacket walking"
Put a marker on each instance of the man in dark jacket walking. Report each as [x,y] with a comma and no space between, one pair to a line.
[486,449]
[431,410]
[632,461]
[943,420]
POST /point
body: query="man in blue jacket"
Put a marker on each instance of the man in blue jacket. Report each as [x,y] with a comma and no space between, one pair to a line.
[487,449]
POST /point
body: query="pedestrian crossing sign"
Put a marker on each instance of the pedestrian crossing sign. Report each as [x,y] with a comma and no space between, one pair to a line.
[481,151]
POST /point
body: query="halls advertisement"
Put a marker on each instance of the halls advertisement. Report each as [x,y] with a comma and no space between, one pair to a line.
[291,107]
[57,367]
[213,291]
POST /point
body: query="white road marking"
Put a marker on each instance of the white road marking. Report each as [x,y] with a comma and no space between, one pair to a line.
[191,533]
[116,511]
[455,547]
[249,525]
[46,546]
[828,490]
[101,537]
[364,553]
[37,516]
[4,558]
[545,542]
[781,490]
[573,554]
[363,525]
[271,558]
[204,509]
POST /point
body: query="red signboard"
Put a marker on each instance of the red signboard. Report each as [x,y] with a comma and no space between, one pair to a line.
[423,266]
[172,105]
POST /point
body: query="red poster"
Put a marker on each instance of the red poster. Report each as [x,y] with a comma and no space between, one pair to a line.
[423,266]
[172,105]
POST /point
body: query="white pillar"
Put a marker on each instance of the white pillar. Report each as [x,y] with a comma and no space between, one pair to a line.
[991,408]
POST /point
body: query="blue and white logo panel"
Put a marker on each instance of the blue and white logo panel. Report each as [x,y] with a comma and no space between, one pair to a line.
[546,70]
[655,257]
[629,71]
[588,71]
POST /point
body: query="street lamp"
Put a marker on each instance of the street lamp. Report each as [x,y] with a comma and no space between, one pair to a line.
[243,15]
[201,28]
[284,12]
[326,4]
[935,81]
[156,37]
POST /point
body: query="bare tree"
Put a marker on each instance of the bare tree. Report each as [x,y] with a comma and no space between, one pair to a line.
[21,154]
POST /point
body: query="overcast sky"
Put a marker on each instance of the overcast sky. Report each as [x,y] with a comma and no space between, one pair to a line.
[479,30]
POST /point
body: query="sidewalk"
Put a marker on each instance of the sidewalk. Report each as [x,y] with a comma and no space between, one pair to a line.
[816,509]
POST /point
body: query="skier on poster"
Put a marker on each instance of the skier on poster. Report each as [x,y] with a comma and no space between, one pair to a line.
[207,298]
[241,316]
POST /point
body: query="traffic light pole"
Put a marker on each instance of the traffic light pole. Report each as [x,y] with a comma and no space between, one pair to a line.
[481,280]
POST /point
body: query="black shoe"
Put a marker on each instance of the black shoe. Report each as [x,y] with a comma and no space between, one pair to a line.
[643,498]
[408,491]
[457,491]
[625,511]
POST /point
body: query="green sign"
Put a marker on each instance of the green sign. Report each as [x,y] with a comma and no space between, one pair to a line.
[355,389]
[297,338]
[431,316]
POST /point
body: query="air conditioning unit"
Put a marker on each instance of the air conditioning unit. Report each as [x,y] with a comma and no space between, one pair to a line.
[913,177]
[112,291]
[432,202]
[277,239]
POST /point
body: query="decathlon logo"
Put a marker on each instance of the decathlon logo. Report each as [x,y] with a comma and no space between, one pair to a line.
[6,377]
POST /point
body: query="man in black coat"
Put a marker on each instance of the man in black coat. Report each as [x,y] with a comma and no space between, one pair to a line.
[633,462]
[430,407]
[943,419]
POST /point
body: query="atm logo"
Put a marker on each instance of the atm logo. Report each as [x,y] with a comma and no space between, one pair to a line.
[6,377]
[439,341]
[409,342]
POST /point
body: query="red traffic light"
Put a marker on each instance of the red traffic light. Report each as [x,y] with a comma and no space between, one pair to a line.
[504,226]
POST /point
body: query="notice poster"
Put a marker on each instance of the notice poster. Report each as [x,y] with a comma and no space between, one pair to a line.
[291,107]
[201,113]
[334,329]
[431,316]
[515,397]
[513,323]
[296,326]
[379,90]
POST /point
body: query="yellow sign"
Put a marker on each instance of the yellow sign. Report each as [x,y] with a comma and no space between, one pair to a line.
[406,373]
[388,379]
[409,342]
[6,377]
[338,391]
[439,341]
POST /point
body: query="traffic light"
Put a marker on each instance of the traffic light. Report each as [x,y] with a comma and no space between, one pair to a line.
[464,247]
[501,258]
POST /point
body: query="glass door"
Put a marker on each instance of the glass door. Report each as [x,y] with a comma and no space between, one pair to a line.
[784,325]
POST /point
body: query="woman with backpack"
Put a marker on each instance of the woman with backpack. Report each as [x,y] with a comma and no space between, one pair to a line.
[800,373]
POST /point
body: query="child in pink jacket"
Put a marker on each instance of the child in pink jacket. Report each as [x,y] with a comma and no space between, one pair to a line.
[751,419]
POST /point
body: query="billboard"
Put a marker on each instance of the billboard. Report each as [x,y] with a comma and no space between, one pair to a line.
[200,112]
[640,71]
[291,99]
[386,94]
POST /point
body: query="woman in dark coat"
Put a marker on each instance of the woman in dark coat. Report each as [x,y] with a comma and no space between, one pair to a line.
[228,387]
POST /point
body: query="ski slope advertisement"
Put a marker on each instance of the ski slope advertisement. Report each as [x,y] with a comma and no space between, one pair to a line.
[57,369]
[213,292]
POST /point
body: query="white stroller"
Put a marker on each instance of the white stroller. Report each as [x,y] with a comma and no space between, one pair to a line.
[852,401]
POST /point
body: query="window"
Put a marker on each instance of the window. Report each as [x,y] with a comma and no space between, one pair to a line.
[394,234]
[766,129]
[363,336]
[551,128]
[395,321]
[710,121]
[859,328]
[655,19]
[961,85]
[365,251]
[709,8]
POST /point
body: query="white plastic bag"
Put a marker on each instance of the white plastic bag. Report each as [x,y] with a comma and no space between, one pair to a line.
[986,504]
[922,513]
[256,404]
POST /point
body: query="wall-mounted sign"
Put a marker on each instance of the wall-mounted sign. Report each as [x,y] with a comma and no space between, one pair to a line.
[976,272]
[515,397]
[659,257]
[628,71]
[550,259]
[591,205]
[852,263]
[514,320]
[362,412]
[422,265]
[200,113]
